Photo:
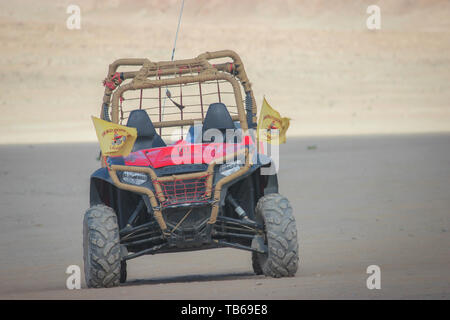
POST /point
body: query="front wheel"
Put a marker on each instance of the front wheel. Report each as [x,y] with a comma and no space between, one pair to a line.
[281,260]
[101,248]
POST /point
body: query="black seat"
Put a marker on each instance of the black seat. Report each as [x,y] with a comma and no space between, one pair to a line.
[217,117]
[146,134]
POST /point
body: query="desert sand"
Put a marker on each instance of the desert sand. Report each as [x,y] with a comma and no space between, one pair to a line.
[358,201]
[365,165]
[315,61]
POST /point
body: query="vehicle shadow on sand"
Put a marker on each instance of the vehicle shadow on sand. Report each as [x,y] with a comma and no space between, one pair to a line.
[191,278]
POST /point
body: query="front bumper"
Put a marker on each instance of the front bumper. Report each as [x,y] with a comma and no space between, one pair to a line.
[198,187]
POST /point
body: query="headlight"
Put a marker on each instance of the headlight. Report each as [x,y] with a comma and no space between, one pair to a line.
[229,168]
[135,178]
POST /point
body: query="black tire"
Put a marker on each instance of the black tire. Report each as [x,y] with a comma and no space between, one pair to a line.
[255,264]
[123,272]
[281,260]
[101,247]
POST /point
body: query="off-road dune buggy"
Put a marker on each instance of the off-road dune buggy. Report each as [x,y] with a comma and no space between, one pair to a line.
[182,187]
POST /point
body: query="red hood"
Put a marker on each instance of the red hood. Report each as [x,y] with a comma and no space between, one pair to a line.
[182,152]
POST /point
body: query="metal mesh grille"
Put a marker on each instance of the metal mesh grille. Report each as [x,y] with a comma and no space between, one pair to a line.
[180,191]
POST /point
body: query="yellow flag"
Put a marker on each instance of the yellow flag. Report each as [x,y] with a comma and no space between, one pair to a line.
[270,120]
[114,139]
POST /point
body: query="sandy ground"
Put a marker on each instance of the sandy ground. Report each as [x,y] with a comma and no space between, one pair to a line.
[315,61]
[358,201]
[377,196]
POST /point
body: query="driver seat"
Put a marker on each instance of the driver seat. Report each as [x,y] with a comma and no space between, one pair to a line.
[146,134]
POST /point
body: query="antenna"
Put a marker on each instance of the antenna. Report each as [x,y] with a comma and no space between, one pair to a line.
[178,28]
[168,94]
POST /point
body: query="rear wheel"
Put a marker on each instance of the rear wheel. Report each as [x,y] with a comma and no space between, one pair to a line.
[123,272]
[281,260]
[101,248]
[255,264]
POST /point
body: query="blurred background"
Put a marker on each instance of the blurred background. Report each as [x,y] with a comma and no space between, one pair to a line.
[315,61]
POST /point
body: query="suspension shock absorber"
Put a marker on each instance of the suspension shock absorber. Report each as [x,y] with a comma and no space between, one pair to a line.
[237,208]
